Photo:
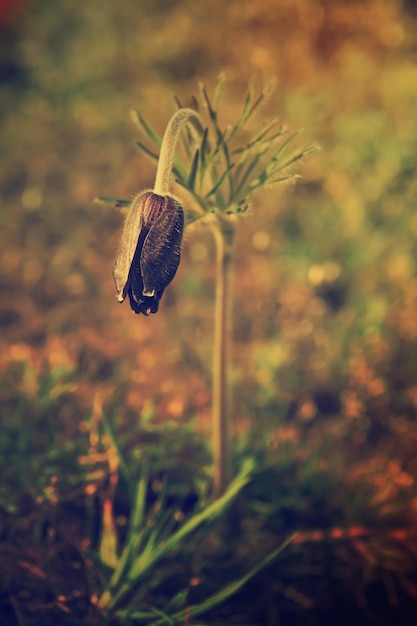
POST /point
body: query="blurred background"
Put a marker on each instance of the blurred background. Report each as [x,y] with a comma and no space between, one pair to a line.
[325,277]
[325,345]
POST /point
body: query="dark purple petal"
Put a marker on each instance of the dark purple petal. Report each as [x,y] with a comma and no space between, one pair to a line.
[155,225]
[161,249]
[138,302]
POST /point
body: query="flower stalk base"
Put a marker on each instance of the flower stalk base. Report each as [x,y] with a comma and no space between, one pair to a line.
[224,233]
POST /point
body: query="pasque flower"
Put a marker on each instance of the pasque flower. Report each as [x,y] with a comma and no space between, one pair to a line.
[149,251]
[219,175]
[150,247]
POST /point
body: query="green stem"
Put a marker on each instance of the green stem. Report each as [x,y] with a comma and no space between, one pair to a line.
[224,232]
[169,144]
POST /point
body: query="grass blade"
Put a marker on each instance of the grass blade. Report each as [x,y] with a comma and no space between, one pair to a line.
[213,510]
[231,588]
[134,539]
[120,456]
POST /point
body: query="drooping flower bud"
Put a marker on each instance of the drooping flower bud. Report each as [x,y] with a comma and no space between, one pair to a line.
[149,251]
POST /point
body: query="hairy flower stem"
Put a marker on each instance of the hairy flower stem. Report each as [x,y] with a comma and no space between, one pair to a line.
[169,144]
[224,232]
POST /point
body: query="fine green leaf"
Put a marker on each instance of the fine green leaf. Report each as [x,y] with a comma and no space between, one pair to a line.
[245,111]
[211,111]
[217,90]
[153,155]
[141,122]
[204,148]
[193,171]
[259,138]
[250,168]
[219,183]
[118,202]
[275,159]
[200,201]
[283,179]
